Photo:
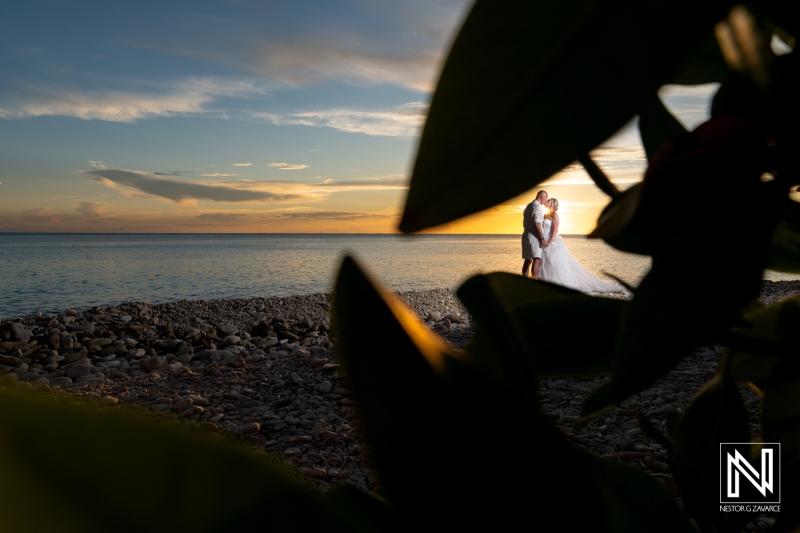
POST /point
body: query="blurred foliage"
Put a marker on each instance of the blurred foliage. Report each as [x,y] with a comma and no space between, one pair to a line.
[531,88]
[458,436]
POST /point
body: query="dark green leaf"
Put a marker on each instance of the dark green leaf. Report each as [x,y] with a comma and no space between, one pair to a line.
[663,323]
[102,469]
[715,415]
[533,325]
[433,423]
[598,176]
[517,69]
[781,16]
[652,432]
[785,253]
[657,126]
[764,349]
[705,64]
[791,216]
[360,506]
[633,501]
[616,227]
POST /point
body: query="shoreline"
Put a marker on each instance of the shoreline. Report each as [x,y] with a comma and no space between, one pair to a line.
[264,371]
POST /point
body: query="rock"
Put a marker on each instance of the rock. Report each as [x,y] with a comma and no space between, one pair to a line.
[236,361]
[10,360]
[63,381]
[153,363]
[77,370]
[231,340]
[19,332]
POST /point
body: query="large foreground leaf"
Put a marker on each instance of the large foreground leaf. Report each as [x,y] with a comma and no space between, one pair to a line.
[533,326]
[664,322]
[497,124]
[715,415]
[633,501]
[97,469]
[447,440]
[431,420]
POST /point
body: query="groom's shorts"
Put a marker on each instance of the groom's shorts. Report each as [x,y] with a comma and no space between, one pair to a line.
[531,249]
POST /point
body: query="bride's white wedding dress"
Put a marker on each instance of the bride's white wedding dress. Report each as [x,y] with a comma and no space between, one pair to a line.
[560,267]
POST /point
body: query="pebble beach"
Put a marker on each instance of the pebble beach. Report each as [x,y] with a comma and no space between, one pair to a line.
[264,371]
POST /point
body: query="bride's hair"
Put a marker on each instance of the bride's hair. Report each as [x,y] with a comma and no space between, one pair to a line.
[553,205]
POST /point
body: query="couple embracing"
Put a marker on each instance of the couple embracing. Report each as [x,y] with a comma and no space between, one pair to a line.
[545,255]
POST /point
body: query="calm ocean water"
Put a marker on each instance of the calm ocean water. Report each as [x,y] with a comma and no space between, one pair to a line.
[54,272]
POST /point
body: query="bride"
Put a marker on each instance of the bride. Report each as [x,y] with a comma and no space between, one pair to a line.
[558,264]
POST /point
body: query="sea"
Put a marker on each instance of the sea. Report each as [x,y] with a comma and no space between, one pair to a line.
[53,272]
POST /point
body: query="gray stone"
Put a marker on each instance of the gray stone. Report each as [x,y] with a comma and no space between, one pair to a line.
[62,381]
[19,332]
[152,363]
[76,371]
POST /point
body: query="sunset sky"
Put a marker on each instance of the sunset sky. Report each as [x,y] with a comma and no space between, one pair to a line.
[241,116]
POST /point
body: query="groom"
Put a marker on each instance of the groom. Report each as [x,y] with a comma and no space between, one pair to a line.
[532,236]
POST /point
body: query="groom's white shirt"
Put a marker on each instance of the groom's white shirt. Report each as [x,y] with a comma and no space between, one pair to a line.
[535,216]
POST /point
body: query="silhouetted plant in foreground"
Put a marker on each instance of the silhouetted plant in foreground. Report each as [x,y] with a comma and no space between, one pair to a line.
[458,437]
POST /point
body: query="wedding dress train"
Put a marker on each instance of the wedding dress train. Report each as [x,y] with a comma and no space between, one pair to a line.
[559,266]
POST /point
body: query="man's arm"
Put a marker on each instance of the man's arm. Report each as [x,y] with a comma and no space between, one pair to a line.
[538,219]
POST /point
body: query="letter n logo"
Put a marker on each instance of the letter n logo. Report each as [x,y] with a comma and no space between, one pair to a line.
[750,472]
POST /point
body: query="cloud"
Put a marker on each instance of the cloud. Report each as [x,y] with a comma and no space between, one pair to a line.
[172,173]
[322,189]
[613,158]
[218,175]
[186,97]
[286,166]
[388,182]
[243,164]
[331,215]
[93,209]
[97,164]
[401,121]
[362,43]
[180,192]
[87,215]
[145,184]
[222,217]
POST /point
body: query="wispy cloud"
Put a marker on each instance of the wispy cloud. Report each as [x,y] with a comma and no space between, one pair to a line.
[93,209]
[331,215]
[86,215]
[138,183]
[286,166]
[387,182]
[181,192]
[402,121]
[356,43]
[186,97]
[614,158]
[222,217]
[243,164]
[219,175]
[173,173]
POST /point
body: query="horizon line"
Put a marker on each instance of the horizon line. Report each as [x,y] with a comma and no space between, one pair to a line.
[3,232]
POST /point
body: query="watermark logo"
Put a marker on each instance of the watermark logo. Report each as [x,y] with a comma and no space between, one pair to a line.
[750,473]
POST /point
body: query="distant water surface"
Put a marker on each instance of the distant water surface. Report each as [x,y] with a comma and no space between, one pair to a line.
[54,272]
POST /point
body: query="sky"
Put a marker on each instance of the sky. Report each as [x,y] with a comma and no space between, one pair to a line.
[242,116]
